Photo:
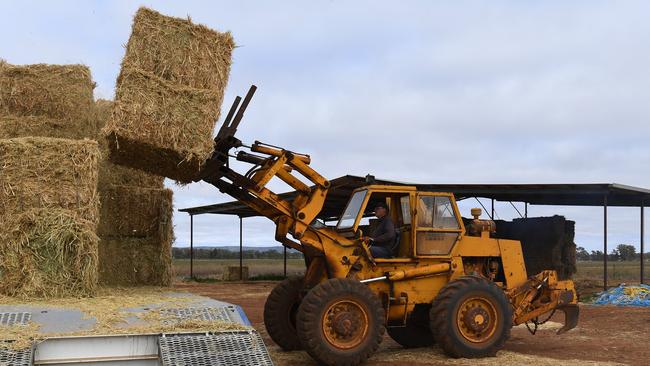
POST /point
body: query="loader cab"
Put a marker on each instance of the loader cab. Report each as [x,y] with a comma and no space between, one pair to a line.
[428,223]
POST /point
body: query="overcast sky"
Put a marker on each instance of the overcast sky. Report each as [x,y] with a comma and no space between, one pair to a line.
[422,91]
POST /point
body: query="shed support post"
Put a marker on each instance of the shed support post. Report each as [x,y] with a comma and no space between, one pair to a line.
[191,246]
[241,249]
[526,209]
[492,216]
[605,243]
[642,240]
[285,262]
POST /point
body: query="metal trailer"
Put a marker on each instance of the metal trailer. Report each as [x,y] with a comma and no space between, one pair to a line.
[240,347]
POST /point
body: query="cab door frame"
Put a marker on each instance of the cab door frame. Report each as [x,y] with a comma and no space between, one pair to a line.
[417,228]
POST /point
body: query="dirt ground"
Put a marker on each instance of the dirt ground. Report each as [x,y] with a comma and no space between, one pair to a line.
[605,335]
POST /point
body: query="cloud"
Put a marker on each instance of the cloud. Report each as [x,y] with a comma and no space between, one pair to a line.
[460,92]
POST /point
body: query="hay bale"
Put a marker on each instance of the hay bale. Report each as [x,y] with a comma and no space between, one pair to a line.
[135,261]
[111,174]
[39,172]
[117,175]
[546,242]
[136,234]
[48,253]
[57,91]
[12,126]
[179,51]
[168,96]
[232,273]
[161,128]
[135,212]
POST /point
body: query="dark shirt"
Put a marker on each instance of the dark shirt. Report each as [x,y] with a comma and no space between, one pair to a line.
[384,233]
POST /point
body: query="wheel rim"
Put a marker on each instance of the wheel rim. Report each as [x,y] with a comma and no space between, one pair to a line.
[345,324]
[477,319]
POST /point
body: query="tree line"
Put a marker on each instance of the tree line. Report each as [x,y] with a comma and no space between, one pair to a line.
[219,253]
[622,252]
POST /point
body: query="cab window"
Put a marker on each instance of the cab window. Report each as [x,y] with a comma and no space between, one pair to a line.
[406,209]
[435,217]
[436,212]
[351,212]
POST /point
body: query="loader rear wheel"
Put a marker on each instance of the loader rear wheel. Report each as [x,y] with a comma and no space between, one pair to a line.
[417,332]
[280,313]
[340,322]
[471,317]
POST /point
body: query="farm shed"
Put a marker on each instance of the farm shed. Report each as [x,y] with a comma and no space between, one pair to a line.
[587,194]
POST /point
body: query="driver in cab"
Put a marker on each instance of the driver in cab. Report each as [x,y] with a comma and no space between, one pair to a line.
[382,237]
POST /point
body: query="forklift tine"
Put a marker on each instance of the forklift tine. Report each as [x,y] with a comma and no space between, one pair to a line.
[242,109]
[232,110]
[225,126]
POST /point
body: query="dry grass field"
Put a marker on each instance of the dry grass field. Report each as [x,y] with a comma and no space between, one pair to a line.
[588,271]
[214,268]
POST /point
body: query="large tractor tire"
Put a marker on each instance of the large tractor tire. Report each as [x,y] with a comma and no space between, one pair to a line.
[471,317]
[340,322]
[280,313]
[417,332]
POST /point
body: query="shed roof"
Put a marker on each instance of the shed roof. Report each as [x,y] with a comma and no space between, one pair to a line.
[584,194]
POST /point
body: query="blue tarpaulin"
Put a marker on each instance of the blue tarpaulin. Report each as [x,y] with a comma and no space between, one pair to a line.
[625,295]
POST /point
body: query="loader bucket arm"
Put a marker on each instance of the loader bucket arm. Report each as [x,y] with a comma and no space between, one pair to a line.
[291,216]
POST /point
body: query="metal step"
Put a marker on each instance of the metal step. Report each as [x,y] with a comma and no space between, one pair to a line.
[10,357]
[224,348]
[186,348]
[223,313]
[10,319]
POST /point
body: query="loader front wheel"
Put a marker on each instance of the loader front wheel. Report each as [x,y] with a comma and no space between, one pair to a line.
[471,317]
[280,312]
[340,322]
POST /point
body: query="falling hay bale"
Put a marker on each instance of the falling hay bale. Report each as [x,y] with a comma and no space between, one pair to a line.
[179,51]
[136,236]
[111,174]
[135,212]
[161,128]
[117,175]
[48,253]
[56,91]
[38,172]
[168,96]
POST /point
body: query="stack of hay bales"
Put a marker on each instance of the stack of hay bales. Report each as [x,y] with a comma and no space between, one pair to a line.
[46,100]
[48,198]
[135,227]
[136,236]
[168,96]
[546,242]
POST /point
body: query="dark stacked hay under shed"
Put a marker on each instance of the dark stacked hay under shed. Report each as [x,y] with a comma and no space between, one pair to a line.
[547,243]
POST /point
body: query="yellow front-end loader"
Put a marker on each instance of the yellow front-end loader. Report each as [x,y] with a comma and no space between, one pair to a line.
[446,283]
